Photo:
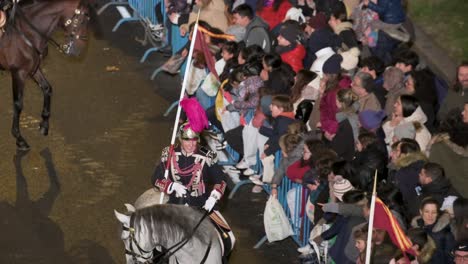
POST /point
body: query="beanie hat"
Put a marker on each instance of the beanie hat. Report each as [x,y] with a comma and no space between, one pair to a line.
[350,59]
[322,57]
[370,119]
[318,21]
[406,130]
[291,32]
[333,64]
[340,187]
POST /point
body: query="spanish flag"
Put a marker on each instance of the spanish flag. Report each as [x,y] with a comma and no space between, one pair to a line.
[384,219]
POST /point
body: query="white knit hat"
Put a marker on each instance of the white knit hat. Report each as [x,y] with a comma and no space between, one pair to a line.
[340,187]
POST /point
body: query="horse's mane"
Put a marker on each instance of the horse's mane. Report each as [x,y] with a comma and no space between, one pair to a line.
[173,222]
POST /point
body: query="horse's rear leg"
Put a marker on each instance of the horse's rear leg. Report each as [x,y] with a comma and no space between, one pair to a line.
[40,79]
[18,78]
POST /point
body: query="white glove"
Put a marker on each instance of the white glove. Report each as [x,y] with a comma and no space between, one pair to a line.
[180,189]
[211,201]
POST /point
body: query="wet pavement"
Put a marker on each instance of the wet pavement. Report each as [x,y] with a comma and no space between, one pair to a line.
[107,131]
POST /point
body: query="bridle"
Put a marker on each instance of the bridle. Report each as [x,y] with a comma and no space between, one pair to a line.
[143,254]
[75,22]
[148,256]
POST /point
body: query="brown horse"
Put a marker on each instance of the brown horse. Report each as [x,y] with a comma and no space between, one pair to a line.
[24,45]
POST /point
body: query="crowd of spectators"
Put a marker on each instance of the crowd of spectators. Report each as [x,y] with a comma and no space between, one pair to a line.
[334,86]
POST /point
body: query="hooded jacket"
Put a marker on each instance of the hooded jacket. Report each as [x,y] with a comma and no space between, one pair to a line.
[443,238]
[423,136]
[256,33]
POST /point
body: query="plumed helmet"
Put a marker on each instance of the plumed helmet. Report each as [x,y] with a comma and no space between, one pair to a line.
[197,119]
[187,133]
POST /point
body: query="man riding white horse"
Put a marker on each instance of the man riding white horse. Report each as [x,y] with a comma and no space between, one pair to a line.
[192,171]
[194,178]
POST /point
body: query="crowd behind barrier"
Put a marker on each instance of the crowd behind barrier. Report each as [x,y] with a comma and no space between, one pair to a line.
[375,107]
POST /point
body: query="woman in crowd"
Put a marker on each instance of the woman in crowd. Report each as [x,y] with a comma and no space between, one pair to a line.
[421,85]
[443,238]
[370,156]
[407,110]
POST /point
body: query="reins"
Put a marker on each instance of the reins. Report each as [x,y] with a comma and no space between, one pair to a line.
[48,39]
[61,48]
[166,254]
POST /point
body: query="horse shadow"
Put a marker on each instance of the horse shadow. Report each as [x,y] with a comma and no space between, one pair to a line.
[27,234]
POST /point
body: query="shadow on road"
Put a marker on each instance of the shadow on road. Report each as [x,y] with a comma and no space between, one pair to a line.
[28,234]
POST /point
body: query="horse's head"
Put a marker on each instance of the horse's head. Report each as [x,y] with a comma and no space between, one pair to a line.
[75,24]
[133,252]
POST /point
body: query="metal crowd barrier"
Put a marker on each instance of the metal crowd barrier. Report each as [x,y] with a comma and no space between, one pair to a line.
[298,218]
[300,224]
[144,12]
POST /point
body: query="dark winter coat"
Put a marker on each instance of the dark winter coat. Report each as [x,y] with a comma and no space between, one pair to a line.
[343,142]
[390,11]
[407,180]
[342,229]
[319,39]
[438,189]
[280,127]
[366,162]
[443,238]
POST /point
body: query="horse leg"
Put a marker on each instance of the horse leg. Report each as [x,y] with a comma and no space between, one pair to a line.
[42,82]
[18,78]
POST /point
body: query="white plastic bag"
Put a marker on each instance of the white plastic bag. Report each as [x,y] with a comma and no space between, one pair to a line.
[276,223]
[268,168]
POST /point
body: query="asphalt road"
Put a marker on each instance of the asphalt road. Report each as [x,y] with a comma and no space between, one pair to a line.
[107,131]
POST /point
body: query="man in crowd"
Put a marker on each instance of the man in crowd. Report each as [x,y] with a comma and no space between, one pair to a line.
[457,96]
[256,30]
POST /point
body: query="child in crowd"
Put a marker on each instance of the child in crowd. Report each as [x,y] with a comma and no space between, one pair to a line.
[265,140]
[289,47]
[228,61]
[360,238]
[291,145]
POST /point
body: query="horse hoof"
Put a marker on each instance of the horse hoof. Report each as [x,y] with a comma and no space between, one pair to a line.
[43,130]
[22,146]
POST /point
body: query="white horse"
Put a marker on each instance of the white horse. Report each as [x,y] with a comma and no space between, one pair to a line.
[186,232]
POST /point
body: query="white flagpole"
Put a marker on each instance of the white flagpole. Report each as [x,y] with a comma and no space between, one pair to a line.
[371,220]
[182,93]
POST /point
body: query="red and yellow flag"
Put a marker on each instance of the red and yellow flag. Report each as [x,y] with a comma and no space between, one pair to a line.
[384,219]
